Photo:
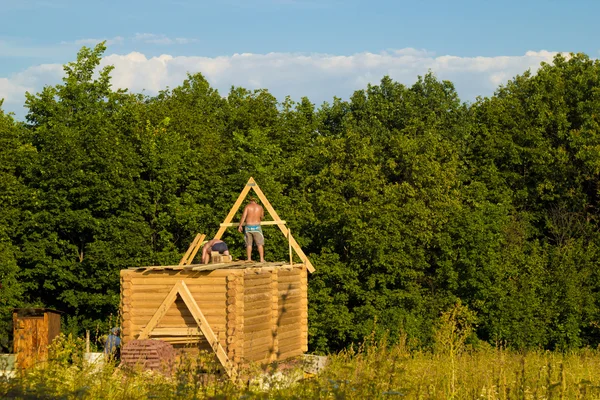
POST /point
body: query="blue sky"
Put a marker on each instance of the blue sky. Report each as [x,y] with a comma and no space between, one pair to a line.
[296,47]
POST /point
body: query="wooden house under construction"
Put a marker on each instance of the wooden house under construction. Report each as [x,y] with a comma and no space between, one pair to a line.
[243,311]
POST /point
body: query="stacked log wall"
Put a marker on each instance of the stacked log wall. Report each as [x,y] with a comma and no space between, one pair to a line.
[292,312]
[258,324]
[143,293]
[258,314]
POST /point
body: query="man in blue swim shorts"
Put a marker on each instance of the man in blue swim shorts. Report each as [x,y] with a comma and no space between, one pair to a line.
[251,217]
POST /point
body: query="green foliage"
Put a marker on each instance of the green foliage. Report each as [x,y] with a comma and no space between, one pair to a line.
[405,199]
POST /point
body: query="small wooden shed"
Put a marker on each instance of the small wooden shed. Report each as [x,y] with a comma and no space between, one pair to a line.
[34,329]
[245,312]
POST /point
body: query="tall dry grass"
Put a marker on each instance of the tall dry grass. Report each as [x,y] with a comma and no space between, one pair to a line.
[374,370]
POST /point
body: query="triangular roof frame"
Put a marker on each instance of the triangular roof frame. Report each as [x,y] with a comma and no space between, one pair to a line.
[182,290]
[252,185]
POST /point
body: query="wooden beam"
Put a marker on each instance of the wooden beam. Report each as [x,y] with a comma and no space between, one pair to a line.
[283,228]
[261,223]
[235,207]
[195,251]
[206,329]
[161,311]
[189,250]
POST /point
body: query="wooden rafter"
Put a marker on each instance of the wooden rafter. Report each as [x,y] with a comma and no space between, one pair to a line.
[182,290]
[191,252]
[276,220]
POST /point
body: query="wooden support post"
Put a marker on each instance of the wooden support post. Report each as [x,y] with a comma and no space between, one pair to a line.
[195,251]
[290,246]
[189,250]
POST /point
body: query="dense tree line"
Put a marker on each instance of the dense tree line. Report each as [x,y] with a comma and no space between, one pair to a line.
[405,198]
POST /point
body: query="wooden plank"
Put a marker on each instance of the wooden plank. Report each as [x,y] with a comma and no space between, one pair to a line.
[258,290]
[289,293]
[283,228]
[223,266]
[171,321]
[296,271]
[256,312]
[207,330]
[157,283]
[289,286]
[289,335]
[259,348]
[199,296]
[258,355]
[195,251]
[234,209]
[259,319]
[190,249]
[253,328]
[285,298]
[256,297]
[259,343]
[198,292]
[262,281]
[232,224]
[259,338]
[136,303]
[161,311]
[138,327]
[219,312]
[290,347]
[146,300]
[282,309]
[292,317]
[284,278]
[139,284]
[183,331]
[290,354]
[288,328]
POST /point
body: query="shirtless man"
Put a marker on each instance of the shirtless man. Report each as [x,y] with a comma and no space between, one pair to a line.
[252,215]
[213,245]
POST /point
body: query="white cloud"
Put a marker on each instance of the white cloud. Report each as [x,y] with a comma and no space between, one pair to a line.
[321,76]
[153,38]
[33,79]
[317,76]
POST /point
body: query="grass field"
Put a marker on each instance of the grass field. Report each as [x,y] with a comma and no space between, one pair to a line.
[372,371]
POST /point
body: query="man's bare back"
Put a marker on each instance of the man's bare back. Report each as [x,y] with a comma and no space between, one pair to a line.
[251,218]
[254,214]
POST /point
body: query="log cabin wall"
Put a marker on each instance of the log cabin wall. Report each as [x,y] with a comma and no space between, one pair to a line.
[258,314]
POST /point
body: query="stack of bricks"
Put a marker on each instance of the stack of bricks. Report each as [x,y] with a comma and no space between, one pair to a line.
[154,355]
